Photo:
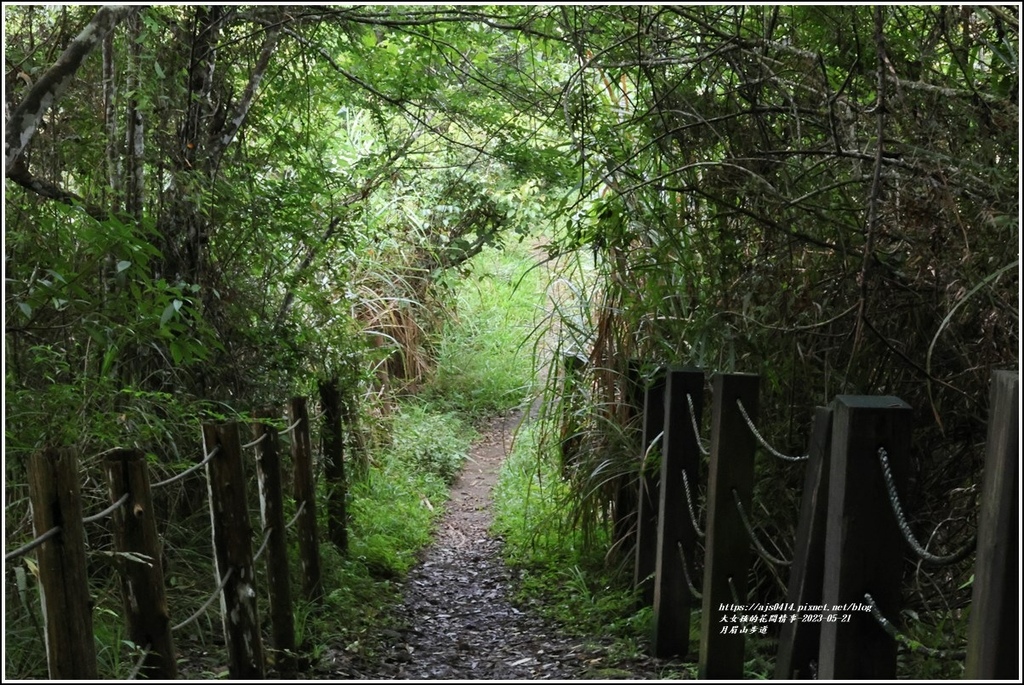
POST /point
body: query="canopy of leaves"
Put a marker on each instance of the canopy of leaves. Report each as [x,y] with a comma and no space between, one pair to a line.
[226,202]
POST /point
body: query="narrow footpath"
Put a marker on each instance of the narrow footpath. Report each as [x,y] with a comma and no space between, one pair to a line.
[458,620]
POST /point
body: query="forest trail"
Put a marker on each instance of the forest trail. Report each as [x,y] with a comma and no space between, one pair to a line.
[458,619]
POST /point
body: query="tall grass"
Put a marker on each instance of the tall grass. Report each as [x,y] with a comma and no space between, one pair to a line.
[485,354]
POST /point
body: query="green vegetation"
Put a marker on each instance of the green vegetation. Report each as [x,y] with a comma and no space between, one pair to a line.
[209,209]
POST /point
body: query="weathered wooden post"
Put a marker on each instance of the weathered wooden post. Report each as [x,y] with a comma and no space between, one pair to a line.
[54,493]
[863,543]
[993,637]
[232,548]
[680,451]
[727,545]
[305,498]
[268,474]
[333,443]
[628,490]
[142,581]
[648,503]
[569,405]
[799,641]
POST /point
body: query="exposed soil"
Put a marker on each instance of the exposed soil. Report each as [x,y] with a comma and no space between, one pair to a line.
[458,619]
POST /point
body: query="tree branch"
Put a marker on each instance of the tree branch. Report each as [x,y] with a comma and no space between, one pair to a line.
[25,119]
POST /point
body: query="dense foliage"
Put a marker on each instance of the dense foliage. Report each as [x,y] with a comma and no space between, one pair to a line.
[208,208]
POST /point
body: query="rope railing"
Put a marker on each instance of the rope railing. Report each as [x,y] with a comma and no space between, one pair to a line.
[207,603]
[696,431]
[733,592]
[138,664]
[266,539]
[753,536]
[912,645]
[290,428]
[686,572]
[187,472]
[764,443]
[108,511]
[689,506]
[255,442]
[296,517]
[31,545]
[901,520]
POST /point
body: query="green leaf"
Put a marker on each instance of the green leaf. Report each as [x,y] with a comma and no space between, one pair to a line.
[169,311]
[26,308]
[122,265]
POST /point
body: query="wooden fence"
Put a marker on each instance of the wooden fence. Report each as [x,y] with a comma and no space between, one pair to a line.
[60,539]
[844,581]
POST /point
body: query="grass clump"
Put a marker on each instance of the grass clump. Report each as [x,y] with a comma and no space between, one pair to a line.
[563,573]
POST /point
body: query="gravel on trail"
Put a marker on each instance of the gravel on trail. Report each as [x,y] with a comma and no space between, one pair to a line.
[458,619]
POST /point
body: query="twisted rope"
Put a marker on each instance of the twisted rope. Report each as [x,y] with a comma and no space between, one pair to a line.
[108,511]
[908,535]
[912,645]
[753,537]
[696,430]
[138,665]
[689,506]
[296,517]
[686,571]
[764,443]
[732,591]
[207,603]
[255,442]
[266,539]
[29,546]
[173,479]
[290,428]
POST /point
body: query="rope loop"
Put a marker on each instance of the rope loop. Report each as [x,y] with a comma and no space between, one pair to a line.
[290,428]
[699,529]
[912,645]
[29,546]
[207,603]
[901,520]
[686,571]
[183,474]
[108,511]
[753,537]
[696,430]
[764,443]
[255,442]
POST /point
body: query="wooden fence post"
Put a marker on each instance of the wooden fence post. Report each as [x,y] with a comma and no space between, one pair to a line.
[305,497]
[268,474]
[142,580]
[680,451]
[863,543]
[627,491]
[993,638]
[232,546]
[54,493]
[570,439]
[332,439]
[798,641]
[727,545]
[647,506]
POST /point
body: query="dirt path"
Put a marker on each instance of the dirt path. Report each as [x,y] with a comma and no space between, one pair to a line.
[458,620]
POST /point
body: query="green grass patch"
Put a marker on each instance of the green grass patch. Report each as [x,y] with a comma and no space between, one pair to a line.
[566,576]
[485,359]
